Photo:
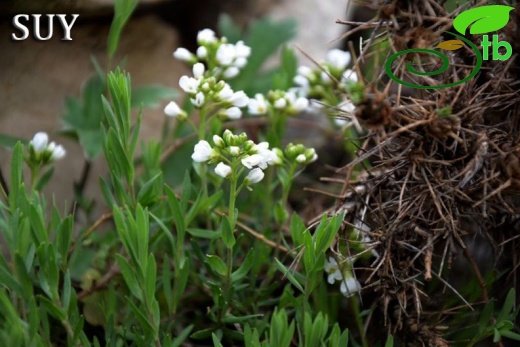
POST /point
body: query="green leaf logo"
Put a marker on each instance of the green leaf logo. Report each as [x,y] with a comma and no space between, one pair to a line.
[485,19]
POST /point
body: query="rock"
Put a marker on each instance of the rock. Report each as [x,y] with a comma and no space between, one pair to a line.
[37,76]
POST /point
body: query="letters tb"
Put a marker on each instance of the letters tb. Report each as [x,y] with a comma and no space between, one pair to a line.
[19,20]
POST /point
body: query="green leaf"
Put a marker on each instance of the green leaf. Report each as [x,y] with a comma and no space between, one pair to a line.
[52,308]
[217,264]
[485,19]
[182,336]
[9,141]
[216,341]
[389,341]
[122,11]
[227,28]
[150,96]
[242,271]
[227,234]
[204,233]
[289,275]
[83,117]
[509,305]
[129,276]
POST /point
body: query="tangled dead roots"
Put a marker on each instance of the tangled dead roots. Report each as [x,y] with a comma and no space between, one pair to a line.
[436,177]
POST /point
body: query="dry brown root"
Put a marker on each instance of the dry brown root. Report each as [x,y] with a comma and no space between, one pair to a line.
[445,169]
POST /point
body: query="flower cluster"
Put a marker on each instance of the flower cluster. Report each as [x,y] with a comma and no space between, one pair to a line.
[204,90]
[42,152]
[285,101]
[299,154]
[311,82]
[223,59]
[339,272]
[235,154]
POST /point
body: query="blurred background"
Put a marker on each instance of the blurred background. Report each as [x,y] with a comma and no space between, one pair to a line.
[38,77]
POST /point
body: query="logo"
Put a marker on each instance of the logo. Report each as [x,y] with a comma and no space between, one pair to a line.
[18,23]
[483,20]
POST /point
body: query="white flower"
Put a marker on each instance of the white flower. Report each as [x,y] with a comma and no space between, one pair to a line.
[202,152]
[223,170]
[300,104]
[240,62]
[347,106]
[349,286]
[206,36]
[334,273]
[301,80]
[239,99]
[325,78]
[226,54]
[233,113]
[305,71]
[241,50]
[338,59]
[255,176]
[226,93]
[182,54]
[301,159]
[349,75]
[198,70]
[231,72]
[189,84]
[269,157]
[39,142]
[57,151]
[199,100]
[202,52]
[253,160]
[218,141]
[258,105]
[280,103]
[234,150]
[310,155]
[173,110]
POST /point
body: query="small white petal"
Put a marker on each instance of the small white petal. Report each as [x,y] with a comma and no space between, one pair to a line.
[234,150]
[280,103]
[58,151]
[172,109]
[301,104]
[202,151]
[338,59]
[39,141]
[223,170]
[206,36]
[202,52]
[182,54]
[301,159]
[199,100]
[218,141]
[257,106]
[189,84]
[241,50]
[231,72]
[305,71]
[349,75]
[240,62]
[301,81]
[255,176]
[198,70]
[226,54]
[350,286]
[239,99]
[252,160]
[233,113]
